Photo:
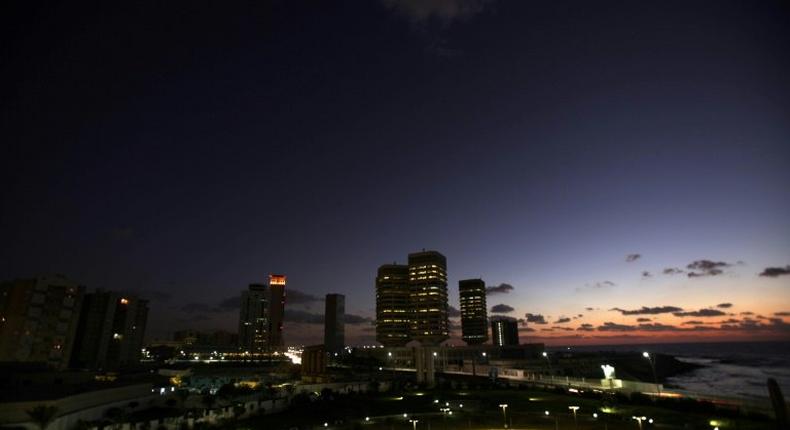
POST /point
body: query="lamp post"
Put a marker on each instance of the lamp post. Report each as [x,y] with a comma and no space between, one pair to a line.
[548,360]
[444,416]
[414,424]
[652,361]
[639,420]
[574,409]
[504,412]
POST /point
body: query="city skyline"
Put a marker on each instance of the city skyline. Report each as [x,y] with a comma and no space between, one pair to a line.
[634,168]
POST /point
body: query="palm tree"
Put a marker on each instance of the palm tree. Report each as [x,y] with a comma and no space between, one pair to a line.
[43,415]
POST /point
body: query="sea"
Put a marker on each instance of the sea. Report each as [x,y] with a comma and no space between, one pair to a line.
[736,369]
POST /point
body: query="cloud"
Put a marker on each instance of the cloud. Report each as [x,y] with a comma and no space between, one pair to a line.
[610,326]
[231,303]
[588,309]
[442,10]
[562,320]
[453,312]
[657,327]
[296,297]
[644,310]
[643,319]
[782,314]
[694,322]
[774,272]
[528,329]
[646,274]
[673,271]
[700,313]
[499,289]
[706,268]
[632,257]
[195,308]
[123,233]
[501,309]
[747,313]
[305,317]
[302,316]
[501,318]
[585,327]
[724,305]
[153,295]
[355,319]
[535,318]
[603,284]
[563,328]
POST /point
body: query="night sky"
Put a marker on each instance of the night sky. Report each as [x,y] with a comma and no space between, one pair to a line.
[592,155]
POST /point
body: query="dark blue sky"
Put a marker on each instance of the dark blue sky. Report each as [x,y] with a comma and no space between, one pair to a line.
[190,148]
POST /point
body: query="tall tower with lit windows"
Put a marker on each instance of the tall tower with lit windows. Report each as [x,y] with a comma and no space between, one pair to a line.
[474,314]
[428,297]
[254,319]
[393,307]
[276,310]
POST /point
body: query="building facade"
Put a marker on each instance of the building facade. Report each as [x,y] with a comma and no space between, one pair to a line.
[38,320]
[474,313]
[110,331]
[428,297]
[334,323]
[504,332]
[254,319]
[393,308]
[276,310]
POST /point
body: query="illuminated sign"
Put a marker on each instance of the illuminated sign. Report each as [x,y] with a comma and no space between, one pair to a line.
[276,279]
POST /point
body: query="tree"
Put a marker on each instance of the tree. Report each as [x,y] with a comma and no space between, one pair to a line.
[43,415]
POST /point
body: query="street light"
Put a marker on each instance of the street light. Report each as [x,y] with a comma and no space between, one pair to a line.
[639,420]
[548,360]
[574,409]
[414,424]
[504,412]
[652,362]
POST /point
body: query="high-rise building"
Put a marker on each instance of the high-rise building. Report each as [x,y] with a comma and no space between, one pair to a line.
[504,332]
[474,314]
[393,309]
[428,297]
[254,319]
[38,319]
[276,310]
[110,331]
[334,323]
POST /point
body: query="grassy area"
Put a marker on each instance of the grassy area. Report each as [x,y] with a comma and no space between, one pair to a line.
[479,409]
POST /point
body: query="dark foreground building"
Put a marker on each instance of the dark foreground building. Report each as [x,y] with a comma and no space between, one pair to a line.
[110,331]
[39,320]
[504,332]
[334,323]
